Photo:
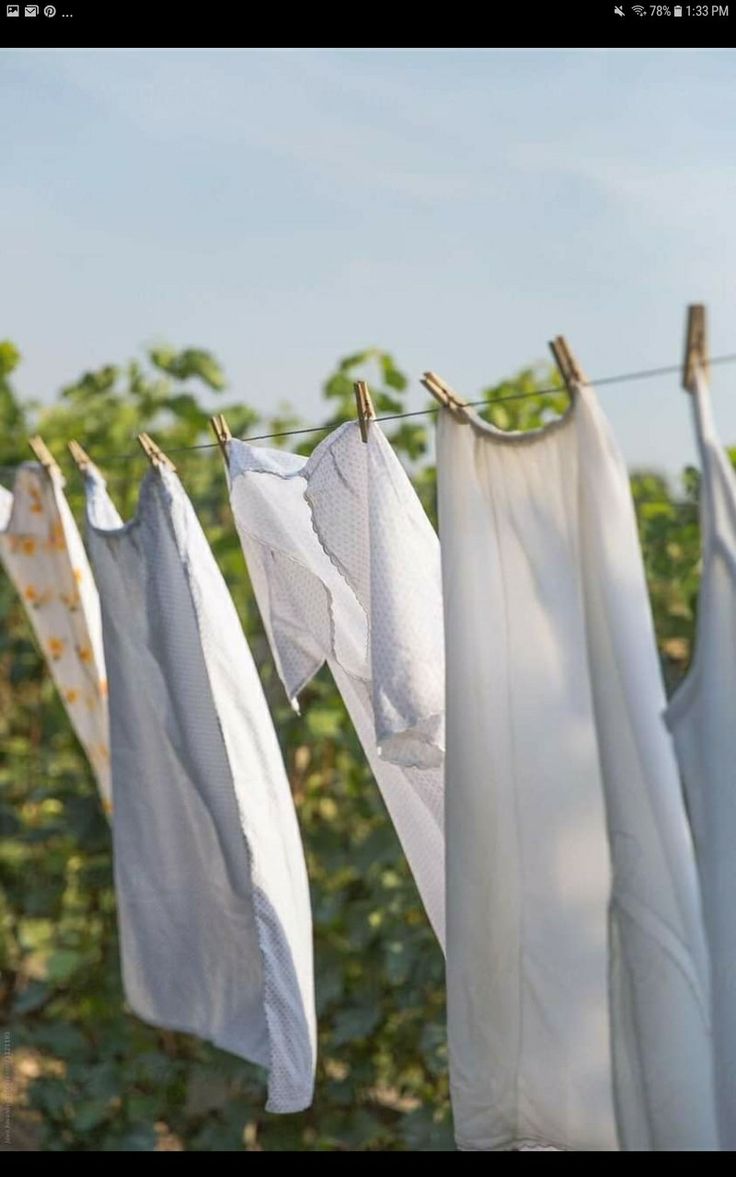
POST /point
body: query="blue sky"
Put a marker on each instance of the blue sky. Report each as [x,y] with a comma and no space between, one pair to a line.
[457,208]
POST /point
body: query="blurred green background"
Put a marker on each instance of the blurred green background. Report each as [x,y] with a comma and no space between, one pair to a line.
[79,1072]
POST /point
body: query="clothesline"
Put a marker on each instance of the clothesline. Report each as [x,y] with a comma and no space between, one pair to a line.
[621,378]
[588,816]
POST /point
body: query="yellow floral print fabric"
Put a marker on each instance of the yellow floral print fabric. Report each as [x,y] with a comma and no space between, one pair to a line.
[43,554]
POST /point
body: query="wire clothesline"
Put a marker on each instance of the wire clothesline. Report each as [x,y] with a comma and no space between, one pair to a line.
[622,378]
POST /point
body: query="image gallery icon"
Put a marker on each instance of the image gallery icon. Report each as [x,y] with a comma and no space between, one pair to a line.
[12,10]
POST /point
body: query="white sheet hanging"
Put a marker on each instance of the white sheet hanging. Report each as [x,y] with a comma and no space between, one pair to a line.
[702,717]
[213,897]
[345,567]
[554,733]
[43,554]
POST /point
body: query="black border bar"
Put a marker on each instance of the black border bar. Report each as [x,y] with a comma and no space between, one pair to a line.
[578,24]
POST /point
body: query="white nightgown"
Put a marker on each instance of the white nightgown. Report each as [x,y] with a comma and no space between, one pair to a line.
[570,871]
[702,717]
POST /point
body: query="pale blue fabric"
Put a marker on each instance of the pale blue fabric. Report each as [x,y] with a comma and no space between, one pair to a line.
[212,890]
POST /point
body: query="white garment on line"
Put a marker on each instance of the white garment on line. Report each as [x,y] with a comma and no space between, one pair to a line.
[702,717]
[43,554]
[213,897]
[345,567]
[556,751]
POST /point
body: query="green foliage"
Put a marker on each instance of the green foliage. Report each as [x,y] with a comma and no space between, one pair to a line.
[12,415]
[513,405]
[191,362]
[91,1076]
[670,537]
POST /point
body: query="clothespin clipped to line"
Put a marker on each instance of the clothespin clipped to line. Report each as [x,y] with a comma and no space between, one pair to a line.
[154,453]
[696,346]
[447,397]
[567,363]
[82,460]
[43,454]
[364,405]
[222,433]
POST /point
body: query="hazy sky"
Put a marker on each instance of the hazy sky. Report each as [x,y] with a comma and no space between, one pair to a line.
[457,208]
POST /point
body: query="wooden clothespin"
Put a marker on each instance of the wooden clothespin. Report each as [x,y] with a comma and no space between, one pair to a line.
[567,362]
[154,453]
[82,460]
[442,392]
[222,433]
[696,346]
[364,404]
[43,454]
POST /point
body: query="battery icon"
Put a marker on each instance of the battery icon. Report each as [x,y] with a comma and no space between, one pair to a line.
[678,10]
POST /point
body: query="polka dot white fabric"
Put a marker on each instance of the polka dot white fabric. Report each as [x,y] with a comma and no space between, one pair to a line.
[213,896]
[576,967]
[702,717]
[42,552]
[346,569]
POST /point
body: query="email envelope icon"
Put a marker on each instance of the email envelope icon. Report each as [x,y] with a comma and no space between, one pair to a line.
[31,10]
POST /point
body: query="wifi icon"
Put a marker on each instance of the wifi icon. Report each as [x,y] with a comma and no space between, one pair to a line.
[639,9]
